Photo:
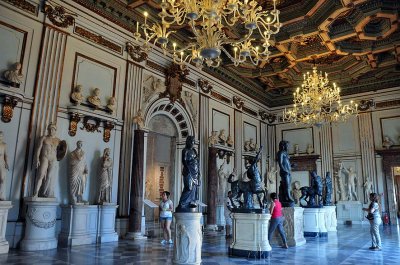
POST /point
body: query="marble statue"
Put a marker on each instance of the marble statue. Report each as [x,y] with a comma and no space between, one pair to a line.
[139,120]
[387,143]
[191,176]
[222,178]
[78,172]
[271,175]
[351,185]
[252,145]
[296,149]
[310,149]
[368,188]
[14,75]
[340,183]
[48,152]
[94,99]
[111,106]
[229,141]
[213,139]
[105,178]
[222,137]
[285,168]
[296,193]
[246,146]
[76,96]
[3,167]
[328,189]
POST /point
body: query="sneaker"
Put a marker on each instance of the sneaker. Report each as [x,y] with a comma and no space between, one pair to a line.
[163,241]
[170,242]
[372,248]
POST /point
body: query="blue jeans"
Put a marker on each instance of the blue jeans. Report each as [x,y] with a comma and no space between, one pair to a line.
[276,223]
[374,230]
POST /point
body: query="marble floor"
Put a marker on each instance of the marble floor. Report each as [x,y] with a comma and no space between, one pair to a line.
[348,246]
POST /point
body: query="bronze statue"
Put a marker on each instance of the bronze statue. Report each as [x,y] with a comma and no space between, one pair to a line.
[191,177]
[282,156]
[328,189]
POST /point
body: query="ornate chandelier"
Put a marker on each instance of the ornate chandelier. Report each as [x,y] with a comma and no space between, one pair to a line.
[207,20]
[317,103]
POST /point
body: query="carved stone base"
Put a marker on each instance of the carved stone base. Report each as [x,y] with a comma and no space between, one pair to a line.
[4,207]
[250,235]
[293,226]
[330,218]
[79,225]
[188,238]
[349,211]
[107,232]
[40,231]
[314,222]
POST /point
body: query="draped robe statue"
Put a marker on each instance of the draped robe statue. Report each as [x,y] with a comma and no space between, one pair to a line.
[78,173]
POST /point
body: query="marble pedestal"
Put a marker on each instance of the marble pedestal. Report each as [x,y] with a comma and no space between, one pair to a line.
[78,225]
[330,218]
[107,213]
[349,211]
[314,222]
[188,238]
[40,230]
[293,226]
[4,207]
[250,235]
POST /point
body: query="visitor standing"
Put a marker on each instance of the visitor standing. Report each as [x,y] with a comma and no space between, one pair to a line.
[276,219]
[375,220]
[227,213]
[166,206]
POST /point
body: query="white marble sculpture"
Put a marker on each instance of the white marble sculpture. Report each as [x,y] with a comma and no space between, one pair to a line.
[296,149]
[368,188]
[76,95]
[272,175]
[222,181]
[139,120]
[94,99]
[105,178]
[78,172]
[296,193]
[191,105]
[252,145]
[387,143]
[151,86]
[3,167]
[213,139]
[310,149]
[47,156]
[111,105]
[246,146]
[229,141]
[351,185]
[222,137]
[13,75]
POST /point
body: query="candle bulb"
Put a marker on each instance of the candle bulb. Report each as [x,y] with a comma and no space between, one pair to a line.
[137,27]
[145,17]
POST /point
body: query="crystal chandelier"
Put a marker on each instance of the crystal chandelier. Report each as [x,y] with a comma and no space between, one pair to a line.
[207,19]
[316,103]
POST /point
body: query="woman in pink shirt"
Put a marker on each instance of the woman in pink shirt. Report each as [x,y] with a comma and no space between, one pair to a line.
[276,219]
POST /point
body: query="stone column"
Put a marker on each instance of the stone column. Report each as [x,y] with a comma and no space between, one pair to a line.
[188,238]
[212,191]
[4,207]
[326,150]
[136,195]
[131,106]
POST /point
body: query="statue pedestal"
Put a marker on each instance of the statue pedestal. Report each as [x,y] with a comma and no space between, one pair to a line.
[188,238]
[349,211]
[250,235]
[78,225]
[293,226]
[4,207]
[330,218]
[40,230]
[107,213]
[314,222]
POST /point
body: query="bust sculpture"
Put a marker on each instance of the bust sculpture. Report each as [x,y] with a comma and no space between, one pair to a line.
[139,120]
[76,96]
[13,76]
[229,141]
[285,168]
[78,172]
[387,143]
[111,105]
[296,149]
[191,177]
[48,152]
[105,178]
[222,137]
[246,146]
[3,167]
[94,99]
[213,139]
[252,145]
[310,149]
[296,192]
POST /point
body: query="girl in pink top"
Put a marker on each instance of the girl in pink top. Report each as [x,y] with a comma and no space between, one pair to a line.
[276,219]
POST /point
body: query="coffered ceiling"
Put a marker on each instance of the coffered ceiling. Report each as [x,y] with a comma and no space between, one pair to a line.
[357,42]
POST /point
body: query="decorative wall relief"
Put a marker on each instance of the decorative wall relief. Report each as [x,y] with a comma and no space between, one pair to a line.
[96,38]
[9,104]
[91,124]
[175,76]
[108,126]
[365,105]
[74,119]
[204,85]
[151,86]
[191,104]
[239,102]
[24,5]
[58,16]
[136,52]
[269,117]
[45,221]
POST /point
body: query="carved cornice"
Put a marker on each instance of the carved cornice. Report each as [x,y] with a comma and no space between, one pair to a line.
[387,104]
[24,5]
[220,97]
[366,104]
[304,162]
[96,38]
[249,111]
[136,52]
[156,66]
[175,76]
[58,16]
[204,85]
[239,102]
[269,117]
